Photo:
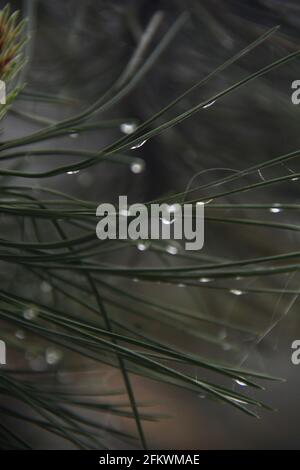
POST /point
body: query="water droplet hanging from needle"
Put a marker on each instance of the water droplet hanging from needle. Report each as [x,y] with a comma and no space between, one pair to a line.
[128,127]
[143,246]
[236,292]
[20,334]
[140,144]
[208,105]
[242,384]
[46,288]
[275,209]
[30,313]
[74,135]
[53,355]
[124,212]
[205,279]
[261,175]
[172,250]
[171,209]
[166,221]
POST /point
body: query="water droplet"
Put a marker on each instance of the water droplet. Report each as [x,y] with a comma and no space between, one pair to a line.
[30,313]
[171,209]
[74,172]
[209,104]
[167,221]
[137,167]
[236,400]
[53,355]
[128,127]
[242,384]
[275,209]
[295,179]
[20,334]
[46,287]
[180,285]
[172,250]
[124,212]
[140,144]
[205,279]
[236,291]
[143,246]
[74,135]
[135,279]
[261,175]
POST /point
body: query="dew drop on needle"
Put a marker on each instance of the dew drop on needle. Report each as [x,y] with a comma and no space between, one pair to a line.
[275,209]
[236,292]
[241,383]
[172,250]
[167,221]
[142,246]
[74,135]
[128,127]
[30,313]
[208,105]
[137,146]
[20,334]
[53,355]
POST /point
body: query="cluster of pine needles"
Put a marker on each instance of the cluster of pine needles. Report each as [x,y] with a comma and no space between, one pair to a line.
[64,254]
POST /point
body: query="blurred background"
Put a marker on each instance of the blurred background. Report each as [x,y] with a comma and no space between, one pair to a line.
[77,49]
